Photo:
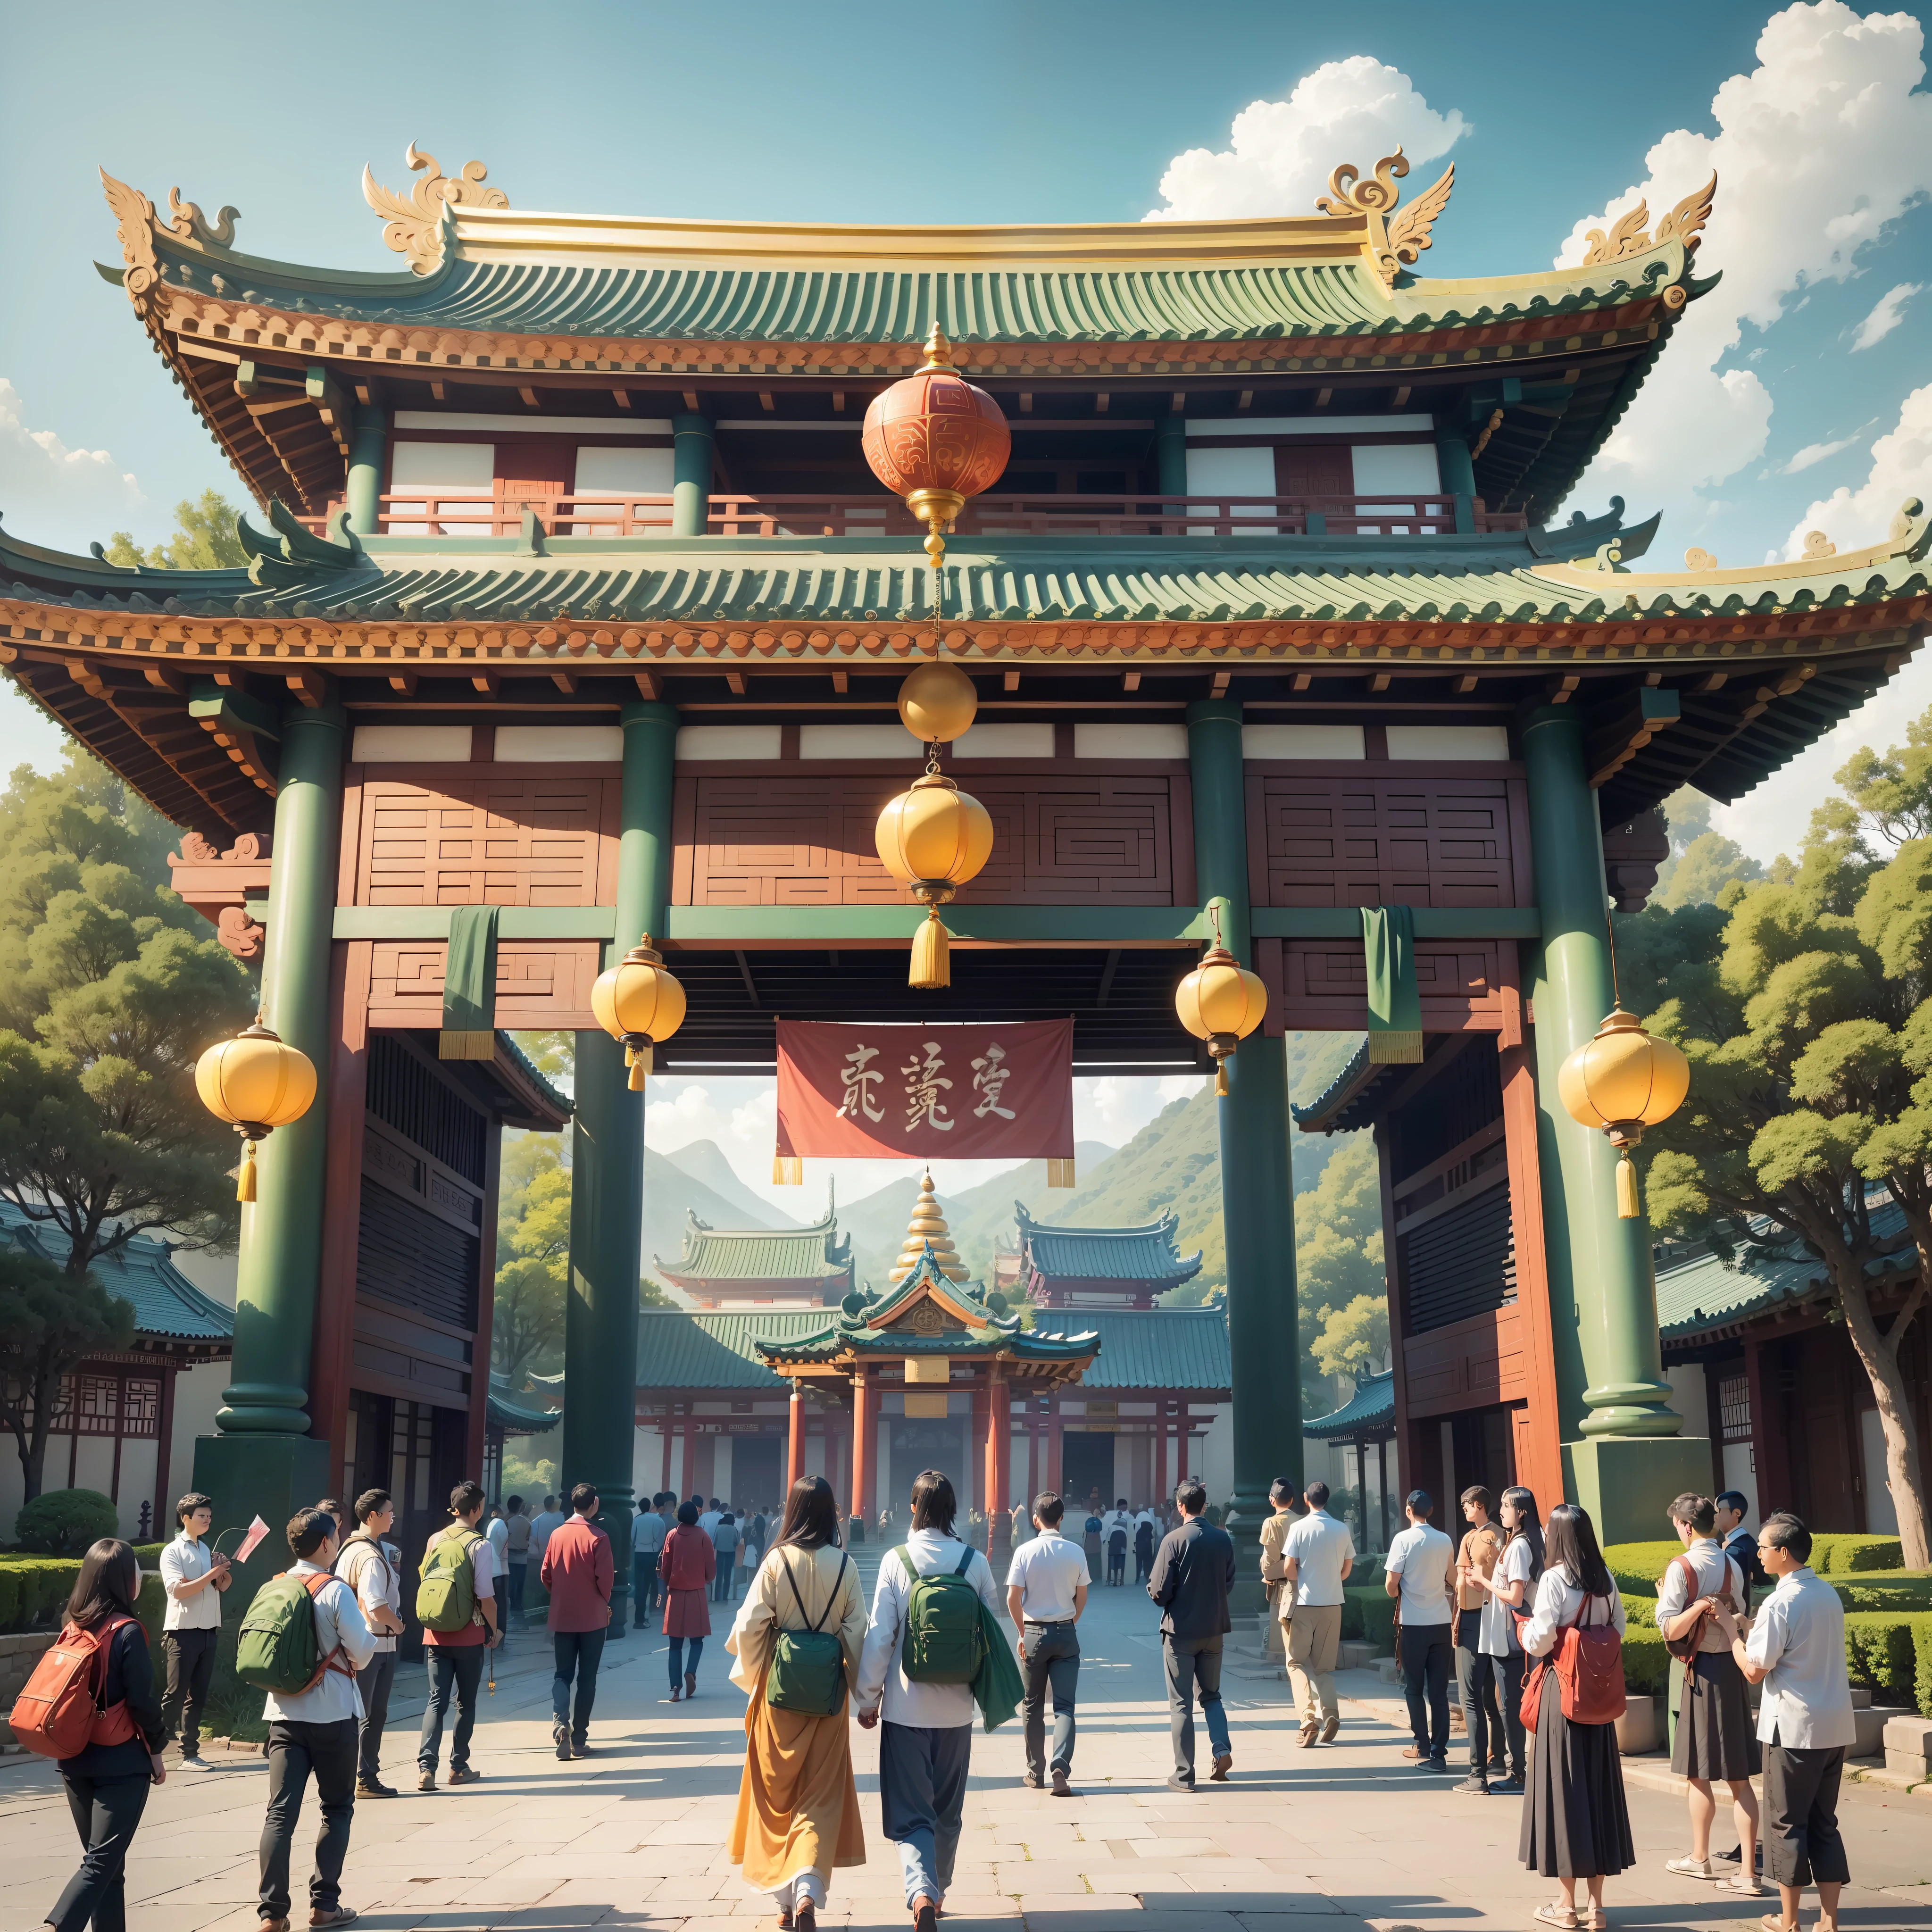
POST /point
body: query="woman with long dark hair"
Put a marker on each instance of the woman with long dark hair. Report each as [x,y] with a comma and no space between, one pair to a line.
[107,1783]
[1576,1825]
[798,1808]
[1511,1586]
[689,1563]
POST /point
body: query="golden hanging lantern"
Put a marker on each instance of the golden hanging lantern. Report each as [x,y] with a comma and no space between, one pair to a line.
[639,1001]
[932,839]
[938,702]
[256,1082]
[1220,1002]
[1623,1080]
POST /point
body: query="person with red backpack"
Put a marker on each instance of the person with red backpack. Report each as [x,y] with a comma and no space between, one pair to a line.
[313,1730]
[1576,1824]
[119,1732]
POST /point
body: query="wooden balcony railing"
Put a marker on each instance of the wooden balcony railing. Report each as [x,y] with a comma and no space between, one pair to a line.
[458,514]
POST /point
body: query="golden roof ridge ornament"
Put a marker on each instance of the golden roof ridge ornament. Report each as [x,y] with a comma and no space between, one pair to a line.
[1392,245]
[1626,238]
[191,225]
[413,225]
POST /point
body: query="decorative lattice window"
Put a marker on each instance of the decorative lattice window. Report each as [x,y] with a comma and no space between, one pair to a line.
[141,1406]
[97,1405]
[1734,1415]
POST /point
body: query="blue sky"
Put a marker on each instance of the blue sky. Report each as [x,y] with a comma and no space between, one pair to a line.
[1799,393]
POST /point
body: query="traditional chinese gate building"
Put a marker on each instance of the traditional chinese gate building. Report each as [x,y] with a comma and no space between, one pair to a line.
[1062,1266]
[571,595]
[761,1267]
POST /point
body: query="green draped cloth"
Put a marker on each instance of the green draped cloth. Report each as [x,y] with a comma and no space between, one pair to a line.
[1395,1000]
[997,1687]
[469,986]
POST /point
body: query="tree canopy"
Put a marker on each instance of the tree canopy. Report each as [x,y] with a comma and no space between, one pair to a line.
[204,538]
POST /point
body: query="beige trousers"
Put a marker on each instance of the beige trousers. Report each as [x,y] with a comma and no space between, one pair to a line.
[1314,1640]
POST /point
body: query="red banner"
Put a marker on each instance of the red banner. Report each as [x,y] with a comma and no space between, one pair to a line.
[956,1093]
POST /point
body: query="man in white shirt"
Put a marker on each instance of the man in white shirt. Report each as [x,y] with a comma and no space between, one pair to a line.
[1143,1545]
[926,1744]
[1417,1575]
[1316,1559]
[373,1569]
[194,1577]
[541,1526]
[314,1732]
[709,1519]
[1796,1650]
[1046,1591]
[1118,1522]
[647,1541]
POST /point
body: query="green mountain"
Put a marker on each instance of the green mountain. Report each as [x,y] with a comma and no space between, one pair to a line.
[706,1162]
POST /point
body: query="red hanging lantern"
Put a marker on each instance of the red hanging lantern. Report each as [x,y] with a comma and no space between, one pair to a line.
[935,440]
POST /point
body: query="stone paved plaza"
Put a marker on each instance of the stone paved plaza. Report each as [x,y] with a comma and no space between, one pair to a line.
[1299,1841]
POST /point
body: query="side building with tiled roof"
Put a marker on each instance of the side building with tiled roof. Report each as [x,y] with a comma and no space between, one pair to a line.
[761,1267]
[1056,1266]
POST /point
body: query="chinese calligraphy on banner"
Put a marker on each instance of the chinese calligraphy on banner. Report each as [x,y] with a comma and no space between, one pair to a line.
[964,1093]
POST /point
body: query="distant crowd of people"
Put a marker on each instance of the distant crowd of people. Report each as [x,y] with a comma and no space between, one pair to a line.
[1525,1616]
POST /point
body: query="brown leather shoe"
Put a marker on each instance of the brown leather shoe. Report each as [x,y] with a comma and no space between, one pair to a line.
[807,1918]
[1413,1752]
[338,1915]
[1329,1729]
[271,1925]
[467,1775]
[1222,1766]
[1308,1734]
[426,1781]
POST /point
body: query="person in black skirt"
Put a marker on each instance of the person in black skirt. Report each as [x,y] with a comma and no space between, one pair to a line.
[108,1782]
[1576,1825]
[1716,1740]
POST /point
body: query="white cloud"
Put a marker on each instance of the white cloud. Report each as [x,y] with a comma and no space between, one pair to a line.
[49,492]
[1901,466]
[1887,313]
[1280,153]
[1814,454]
[1816,149]
[1115,1110]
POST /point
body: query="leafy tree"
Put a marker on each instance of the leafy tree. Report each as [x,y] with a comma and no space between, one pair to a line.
[1338,1263]
[1701,863]
[49,1321]
[532,1252]
[526,1321]
[204,538]
[1803,1094]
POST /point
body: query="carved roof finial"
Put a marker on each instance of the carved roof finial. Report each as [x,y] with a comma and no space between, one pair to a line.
[1393,244]
[1627,237]
[414,227]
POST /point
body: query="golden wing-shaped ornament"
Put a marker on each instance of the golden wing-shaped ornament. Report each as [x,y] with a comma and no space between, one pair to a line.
[1685,222]
[134,218]
[1408,231]
[1626,237]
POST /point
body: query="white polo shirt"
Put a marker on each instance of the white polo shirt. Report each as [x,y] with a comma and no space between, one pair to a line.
[1046,1571]
[1319,1546]
[182,1561]
[1420,1557]
[1799,1635]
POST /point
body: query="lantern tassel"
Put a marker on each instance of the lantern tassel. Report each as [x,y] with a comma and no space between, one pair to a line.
[638,1059]
[931,961]
[244,1181]
[1221,1078]
[788,1170]
[1629,1204]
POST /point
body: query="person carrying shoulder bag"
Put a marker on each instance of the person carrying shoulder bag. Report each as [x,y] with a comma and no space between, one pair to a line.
[798,1639]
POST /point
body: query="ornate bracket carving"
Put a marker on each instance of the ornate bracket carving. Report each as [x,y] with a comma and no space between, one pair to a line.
[238,932]
[134,228]
[413,225]
[1393,244]
[1626,238]
[191,225]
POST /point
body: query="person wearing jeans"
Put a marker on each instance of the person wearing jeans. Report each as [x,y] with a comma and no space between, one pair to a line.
[689,1563]
[1046,1591]
[1417,1573]
[647,1539]
[580,1572]
[194,1577]
[313,1735]
[1476,1673]
[455,1658]
[372,1569]
[1193,1572]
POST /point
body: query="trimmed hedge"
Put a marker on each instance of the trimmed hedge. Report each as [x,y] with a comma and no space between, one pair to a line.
[1368,1613]
[34,1589]
[1646,1662]
[1638,1566]
[1891,1652]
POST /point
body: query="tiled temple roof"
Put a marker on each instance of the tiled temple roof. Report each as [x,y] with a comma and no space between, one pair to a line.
[1142,1254]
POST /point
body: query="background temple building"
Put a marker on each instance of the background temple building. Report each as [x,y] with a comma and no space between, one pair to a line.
[1057,1266]
[761,1267]
[575,613]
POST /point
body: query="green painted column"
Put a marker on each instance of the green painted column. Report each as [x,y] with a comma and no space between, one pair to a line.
[281,1233]
[1170,442]
[1257,1190]
[366,448]
[607,1200]
[1458,471]
[692,445]
[1622,1444]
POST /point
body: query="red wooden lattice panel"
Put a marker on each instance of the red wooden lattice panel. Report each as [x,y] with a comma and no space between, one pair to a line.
[541,984]
[485,842]
[1326,985]
[1375,841]
[809,840]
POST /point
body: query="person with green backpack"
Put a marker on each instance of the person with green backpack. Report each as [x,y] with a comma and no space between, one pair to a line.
[456,1604]
[935,1649]
[798,1639]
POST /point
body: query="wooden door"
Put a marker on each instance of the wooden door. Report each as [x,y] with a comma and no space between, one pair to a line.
[534,470]
[1303,469]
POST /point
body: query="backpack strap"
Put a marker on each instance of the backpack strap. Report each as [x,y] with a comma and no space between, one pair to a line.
[838,1583]
[315,1584]
[905,1560]
[965,1560]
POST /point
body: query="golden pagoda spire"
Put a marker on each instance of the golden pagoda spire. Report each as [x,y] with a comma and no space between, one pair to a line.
[928,1227]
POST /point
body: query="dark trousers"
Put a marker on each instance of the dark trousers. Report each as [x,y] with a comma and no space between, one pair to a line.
[191,1655]
[1052,1661]
[578,1654]
[1428,1657]
[1476,1676]
[106,1812]
[683,1664]
[459,1670]
[644,1588]
[518,1571]
[1801,1842]
[721,1587]
[1117,1563]
[1512,1670]
[922,1779]
[1194,1666]
[1143,1564]
[295,1750]
[375,1680]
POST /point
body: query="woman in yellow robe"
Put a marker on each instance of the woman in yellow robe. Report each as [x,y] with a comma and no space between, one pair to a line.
[798,1809]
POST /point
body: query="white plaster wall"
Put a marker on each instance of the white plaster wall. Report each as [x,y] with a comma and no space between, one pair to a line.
[1213,1459]
[1740,1474]
[1689,1398]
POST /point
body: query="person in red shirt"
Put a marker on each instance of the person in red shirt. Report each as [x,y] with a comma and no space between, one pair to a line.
[578,1572]
[455,1658]
[688,1563]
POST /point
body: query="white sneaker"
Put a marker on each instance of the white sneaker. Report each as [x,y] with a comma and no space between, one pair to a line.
[196,1764]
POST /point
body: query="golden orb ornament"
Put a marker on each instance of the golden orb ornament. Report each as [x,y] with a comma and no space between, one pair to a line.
[933,838]
[1623,1080]
[639,1001]
[256,1082]
[1220,1002]
[938,702]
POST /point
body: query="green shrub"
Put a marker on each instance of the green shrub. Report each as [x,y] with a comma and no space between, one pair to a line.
[1640,1611]
[1646,1662]
[1837,1554]
[64,1522]
[1368,1614]
[1898,1590]
[37,1586]
[1638,1566]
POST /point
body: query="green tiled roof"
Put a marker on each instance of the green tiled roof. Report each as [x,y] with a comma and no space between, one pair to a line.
[1151,1349]
[1143,1254]
[1369,1411]
[142,1271]
[759,1254]
[515,1418]
[679,1350]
